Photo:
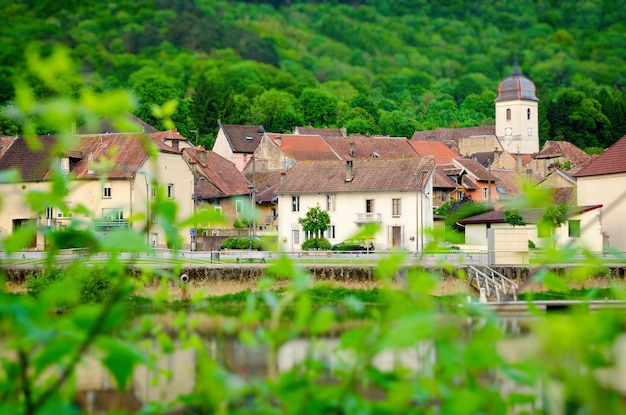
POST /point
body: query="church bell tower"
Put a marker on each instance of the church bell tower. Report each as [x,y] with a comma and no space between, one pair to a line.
[517,117]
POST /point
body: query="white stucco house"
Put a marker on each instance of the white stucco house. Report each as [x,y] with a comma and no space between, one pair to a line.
[583,228]
[603,181]
[395,194]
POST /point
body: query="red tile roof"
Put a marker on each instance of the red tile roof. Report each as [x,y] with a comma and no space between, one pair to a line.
[442,153]
[371,147]
[453,134]
[243,138]
[32,164]
[322,132]
[125,154]
[609,162]
[303,147]
[566,150]
[530,215]
[441,179]
[474,168]
[265,184]
[368,175]
[222,176]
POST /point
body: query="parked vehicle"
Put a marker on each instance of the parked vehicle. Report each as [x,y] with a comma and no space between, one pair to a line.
[354,245]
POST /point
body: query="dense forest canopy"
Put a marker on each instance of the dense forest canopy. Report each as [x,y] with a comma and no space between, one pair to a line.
[377,67]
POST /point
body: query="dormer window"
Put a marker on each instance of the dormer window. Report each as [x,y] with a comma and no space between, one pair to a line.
[249,138]
[65,165]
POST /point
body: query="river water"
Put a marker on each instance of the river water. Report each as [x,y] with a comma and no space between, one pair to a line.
[174,374]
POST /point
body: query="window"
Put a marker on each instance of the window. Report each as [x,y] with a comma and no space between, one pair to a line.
[369,206]
[459,195]
[528,114]
[330,203]
[485,193]
[395,207]
[331,231]
[295,234]
[238,206]
[295,203]
[308,235]
[106,191]
[170,191]
[508,113]
[573,228]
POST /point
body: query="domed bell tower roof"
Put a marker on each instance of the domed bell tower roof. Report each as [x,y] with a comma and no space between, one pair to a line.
[516,86]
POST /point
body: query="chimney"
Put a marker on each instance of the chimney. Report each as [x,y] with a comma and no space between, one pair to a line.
[201,157]
[518,164]
[343,132]
[352,149]
[349,174]
[278,140]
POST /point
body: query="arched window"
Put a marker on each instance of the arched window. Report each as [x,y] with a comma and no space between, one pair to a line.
[528,113]
[508,113]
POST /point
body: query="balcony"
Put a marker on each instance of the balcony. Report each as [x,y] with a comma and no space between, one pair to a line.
[104,225]
[368,218]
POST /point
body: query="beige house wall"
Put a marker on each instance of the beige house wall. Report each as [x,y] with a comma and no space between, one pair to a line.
[508,246]
[222,146]
[607,190]
[479,144]
[269,157]
[127,196]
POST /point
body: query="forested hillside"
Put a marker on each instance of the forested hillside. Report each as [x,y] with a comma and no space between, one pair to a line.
[377,67]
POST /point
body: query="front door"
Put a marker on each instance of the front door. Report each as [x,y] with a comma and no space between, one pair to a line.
[396,236]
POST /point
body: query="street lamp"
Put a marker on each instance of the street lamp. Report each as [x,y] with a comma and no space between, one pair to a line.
[144,174]
[251,188]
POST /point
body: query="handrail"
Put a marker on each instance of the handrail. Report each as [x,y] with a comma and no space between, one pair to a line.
[494,280]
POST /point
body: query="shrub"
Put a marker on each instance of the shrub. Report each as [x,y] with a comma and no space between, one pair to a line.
[316,244]
[241,243]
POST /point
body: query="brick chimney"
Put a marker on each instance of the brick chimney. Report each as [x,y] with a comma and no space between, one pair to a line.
[349,173]
[201,156]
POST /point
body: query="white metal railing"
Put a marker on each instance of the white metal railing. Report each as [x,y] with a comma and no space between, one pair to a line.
[493,283]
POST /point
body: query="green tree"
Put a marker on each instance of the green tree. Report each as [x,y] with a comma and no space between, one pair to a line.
[553,217]
[276,111]
[315,222]
[319,108]
[397,124]
[514,218]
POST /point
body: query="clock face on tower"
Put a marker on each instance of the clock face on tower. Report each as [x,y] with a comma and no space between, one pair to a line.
[530,131]
[507,131]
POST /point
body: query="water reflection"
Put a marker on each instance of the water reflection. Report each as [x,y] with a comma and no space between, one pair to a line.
[174,374]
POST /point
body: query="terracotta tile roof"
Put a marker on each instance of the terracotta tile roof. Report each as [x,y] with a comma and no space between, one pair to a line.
[510,182]
[453,134]
[222,176]
[441,179]
[33,164]
[168,135]
[5,142]
[125,152]
[265,183]
[243,138]
[322,132]
[368,147]
[303,147]
[485,158]
[609,162]
[368,175]
[130,154]
[566,150]
[468,183]
[529,215]
[475,168]
[442,153]
[105,127]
